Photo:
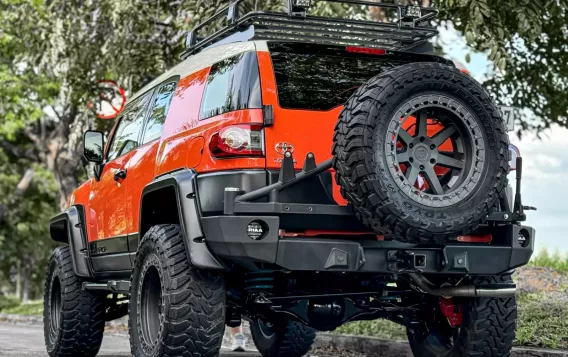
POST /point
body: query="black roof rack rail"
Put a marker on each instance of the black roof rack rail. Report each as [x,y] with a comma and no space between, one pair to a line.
[411,28]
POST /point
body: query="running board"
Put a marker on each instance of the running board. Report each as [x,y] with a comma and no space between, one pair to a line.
[114,286]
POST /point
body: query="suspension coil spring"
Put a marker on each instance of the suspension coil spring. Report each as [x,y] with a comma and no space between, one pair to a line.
[260,280]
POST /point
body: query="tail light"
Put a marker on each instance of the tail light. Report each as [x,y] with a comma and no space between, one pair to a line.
[366,50]
[237,140]
[514,154]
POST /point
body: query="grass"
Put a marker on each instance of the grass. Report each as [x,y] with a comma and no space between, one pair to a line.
[33,308]
[556,261]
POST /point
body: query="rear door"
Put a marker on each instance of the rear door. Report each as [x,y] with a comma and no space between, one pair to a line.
[307,86]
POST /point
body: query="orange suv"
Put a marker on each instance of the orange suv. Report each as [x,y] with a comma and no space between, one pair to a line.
[301,172]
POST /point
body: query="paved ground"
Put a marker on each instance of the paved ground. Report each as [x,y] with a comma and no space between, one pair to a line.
[27,341]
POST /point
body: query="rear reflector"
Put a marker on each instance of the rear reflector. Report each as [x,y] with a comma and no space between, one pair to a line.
[366,50]
[486,238]
[237,140]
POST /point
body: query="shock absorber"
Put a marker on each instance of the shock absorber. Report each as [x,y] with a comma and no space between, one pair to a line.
[260,280]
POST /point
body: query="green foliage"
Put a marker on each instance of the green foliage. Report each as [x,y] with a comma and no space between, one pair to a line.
[542,322]
[378,328]
[526,41]
[555,260]
[8,302]
[33,308]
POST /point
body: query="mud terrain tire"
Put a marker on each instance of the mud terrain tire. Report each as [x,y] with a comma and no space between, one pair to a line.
[283,339]
[73,318]
[175,309]
[488,328]
[366,156]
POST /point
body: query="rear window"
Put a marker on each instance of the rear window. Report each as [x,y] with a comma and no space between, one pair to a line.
[315,78]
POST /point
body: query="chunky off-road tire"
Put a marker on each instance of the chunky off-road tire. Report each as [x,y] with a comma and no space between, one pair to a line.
[73,318]
[488,329]
[283,339]
[175,309]
[367,161]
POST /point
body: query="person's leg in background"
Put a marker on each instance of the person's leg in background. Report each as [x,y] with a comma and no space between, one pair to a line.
[238,344]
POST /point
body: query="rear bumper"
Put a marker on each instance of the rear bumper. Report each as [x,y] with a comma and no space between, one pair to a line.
[227,238]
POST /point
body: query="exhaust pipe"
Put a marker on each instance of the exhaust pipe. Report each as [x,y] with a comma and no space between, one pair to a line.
[496,291]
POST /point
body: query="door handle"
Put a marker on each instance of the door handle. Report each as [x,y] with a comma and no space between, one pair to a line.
[120,175]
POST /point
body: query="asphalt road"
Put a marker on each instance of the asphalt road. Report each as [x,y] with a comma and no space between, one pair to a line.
[27,341]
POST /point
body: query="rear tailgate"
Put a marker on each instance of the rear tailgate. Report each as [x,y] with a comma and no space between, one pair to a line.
[307,86]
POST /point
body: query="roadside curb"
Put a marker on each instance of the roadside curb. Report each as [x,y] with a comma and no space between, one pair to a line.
[376,347]
[367,346]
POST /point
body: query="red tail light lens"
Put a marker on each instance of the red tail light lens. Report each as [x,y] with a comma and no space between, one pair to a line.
[237,140]
[366,50]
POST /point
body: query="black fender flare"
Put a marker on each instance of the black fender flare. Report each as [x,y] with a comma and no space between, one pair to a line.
[183,183]
[70,227]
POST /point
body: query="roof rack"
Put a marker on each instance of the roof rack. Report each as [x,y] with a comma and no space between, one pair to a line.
[410,28]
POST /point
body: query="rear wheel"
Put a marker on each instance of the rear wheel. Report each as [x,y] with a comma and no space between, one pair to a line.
[282,339]
[73,318]
[487,328]
[175,309]
[421,153]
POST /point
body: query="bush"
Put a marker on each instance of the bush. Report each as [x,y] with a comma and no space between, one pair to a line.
[555,260]
[7,302]
[32,308]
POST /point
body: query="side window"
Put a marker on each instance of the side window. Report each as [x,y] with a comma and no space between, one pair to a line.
[159,112]
[233,84]
[126,135]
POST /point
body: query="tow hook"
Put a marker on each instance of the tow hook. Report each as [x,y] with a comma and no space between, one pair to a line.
[452,312]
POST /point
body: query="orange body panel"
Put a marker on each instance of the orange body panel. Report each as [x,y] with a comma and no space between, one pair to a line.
[140,172]
[306,130]
[106,202]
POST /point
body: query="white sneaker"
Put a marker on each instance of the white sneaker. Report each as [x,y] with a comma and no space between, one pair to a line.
[239,343]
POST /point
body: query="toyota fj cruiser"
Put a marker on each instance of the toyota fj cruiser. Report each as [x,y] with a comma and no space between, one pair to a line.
[300,172]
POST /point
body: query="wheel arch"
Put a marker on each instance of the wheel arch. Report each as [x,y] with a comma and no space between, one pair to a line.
[69,227]
[171,199]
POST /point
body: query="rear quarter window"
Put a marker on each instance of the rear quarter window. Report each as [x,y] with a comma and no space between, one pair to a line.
[233,84]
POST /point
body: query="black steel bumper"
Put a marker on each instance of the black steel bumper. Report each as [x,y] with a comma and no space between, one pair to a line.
[275,206]
[227,237]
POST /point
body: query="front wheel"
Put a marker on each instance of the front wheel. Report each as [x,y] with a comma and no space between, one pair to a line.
[487,328]
[282,339]
[73,318]
[175,309]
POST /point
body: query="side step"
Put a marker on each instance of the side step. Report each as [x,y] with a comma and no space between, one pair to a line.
[114,286]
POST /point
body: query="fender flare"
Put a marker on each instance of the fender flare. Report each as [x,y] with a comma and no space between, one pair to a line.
[183,183]
[70,227]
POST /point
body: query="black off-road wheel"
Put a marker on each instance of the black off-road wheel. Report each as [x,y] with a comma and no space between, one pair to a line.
[73,318]
[421,153]
[487,330]
[282,339]
[175,309]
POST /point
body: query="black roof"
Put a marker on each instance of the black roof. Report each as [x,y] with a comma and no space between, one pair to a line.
[411,27]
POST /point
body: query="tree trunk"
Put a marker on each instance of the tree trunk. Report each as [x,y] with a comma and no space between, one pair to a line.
[19,279]
[26,282]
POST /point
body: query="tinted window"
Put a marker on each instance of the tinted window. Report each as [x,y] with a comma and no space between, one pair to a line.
[233,84]
[159,112]
[308,78]
[126,135]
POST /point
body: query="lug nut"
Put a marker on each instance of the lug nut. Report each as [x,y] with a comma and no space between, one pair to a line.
[432,146]
[421,167]
[432,161]
[411,145]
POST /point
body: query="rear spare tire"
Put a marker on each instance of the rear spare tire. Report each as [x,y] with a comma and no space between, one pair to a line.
[421,153]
